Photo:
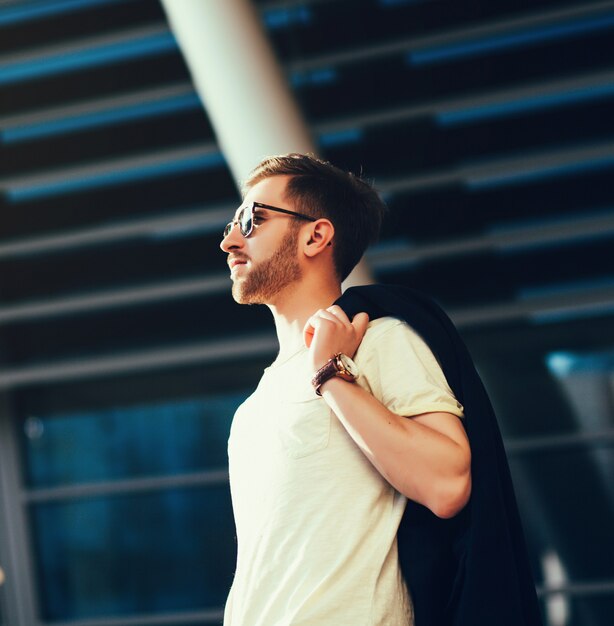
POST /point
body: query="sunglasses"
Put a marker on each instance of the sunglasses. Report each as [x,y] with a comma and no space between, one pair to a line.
[245,219]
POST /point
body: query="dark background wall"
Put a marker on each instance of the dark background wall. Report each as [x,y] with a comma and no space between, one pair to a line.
[488,128]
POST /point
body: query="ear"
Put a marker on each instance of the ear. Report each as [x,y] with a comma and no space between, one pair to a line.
[318,237]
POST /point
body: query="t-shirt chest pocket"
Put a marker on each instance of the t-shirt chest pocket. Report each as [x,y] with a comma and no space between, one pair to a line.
[303,426]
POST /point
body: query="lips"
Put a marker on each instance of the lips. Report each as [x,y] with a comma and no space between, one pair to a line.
[234,262]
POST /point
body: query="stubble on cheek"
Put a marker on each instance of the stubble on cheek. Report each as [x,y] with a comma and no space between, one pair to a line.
[266,279]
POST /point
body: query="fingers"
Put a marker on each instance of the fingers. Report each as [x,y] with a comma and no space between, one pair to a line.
[315,321]
[325,314]
[317,318]
[336,313]
[332,314]
[339,313]
[361,321]
[336,316]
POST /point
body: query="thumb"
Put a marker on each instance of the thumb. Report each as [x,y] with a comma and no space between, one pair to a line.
[360,323]
[308,333]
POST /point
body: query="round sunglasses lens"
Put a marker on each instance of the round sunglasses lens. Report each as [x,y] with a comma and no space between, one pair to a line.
[245,222]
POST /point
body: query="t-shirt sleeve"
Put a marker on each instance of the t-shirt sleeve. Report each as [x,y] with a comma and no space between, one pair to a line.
[400,370]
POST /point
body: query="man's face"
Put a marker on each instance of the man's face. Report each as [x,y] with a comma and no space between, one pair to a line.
[265,263]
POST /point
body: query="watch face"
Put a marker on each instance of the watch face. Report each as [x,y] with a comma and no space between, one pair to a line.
[349,365]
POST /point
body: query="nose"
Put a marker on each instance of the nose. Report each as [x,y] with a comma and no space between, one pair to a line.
[234,239]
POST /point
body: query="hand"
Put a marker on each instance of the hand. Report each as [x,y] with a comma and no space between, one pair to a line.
[329,331]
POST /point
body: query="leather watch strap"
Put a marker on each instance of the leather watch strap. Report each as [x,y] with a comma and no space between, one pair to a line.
[327,371]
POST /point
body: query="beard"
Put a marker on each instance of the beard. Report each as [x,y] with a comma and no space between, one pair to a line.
[266,279]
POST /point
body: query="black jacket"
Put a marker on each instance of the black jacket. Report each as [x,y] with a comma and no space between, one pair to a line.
[473,569]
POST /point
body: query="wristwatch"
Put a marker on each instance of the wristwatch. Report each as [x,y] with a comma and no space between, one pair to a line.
[340,365]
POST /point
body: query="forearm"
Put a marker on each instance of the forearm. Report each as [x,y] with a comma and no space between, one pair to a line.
[427,465]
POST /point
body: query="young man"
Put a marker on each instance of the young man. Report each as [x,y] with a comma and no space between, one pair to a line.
[351,419]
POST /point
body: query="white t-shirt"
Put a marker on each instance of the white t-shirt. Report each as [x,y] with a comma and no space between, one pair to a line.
[316,522]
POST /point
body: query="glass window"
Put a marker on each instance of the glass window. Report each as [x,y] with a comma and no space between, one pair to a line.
[167,551]
[170,438]
[126,548]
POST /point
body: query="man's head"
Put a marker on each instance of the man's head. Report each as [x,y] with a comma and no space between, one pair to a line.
[319,189]
[298,203]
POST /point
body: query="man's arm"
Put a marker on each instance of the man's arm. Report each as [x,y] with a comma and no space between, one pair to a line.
[426,457]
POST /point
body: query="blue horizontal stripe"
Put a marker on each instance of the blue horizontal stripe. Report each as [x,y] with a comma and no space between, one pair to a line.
[565,241]
[66,125]
[565,363]
[72,61]
[277,19]
[56,188]
[538,34]
[188,230]
[587,213]
[512,107]
[556,317]
[575,287]
[551,171]
[351,135]
[321,76]
[29,11]
[396,3]
[572,290]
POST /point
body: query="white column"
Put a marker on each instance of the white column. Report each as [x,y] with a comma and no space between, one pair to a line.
[242,86]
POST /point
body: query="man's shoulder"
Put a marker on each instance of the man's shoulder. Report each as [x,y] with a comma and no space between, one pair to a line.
[385,331]
[381,325]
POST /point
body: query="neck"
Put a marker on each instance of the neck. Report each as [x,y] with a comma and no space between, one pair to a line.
[295,306]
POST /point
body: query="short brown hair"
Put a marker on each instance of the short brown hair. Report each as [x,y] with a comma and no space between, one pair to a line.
[320,189]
